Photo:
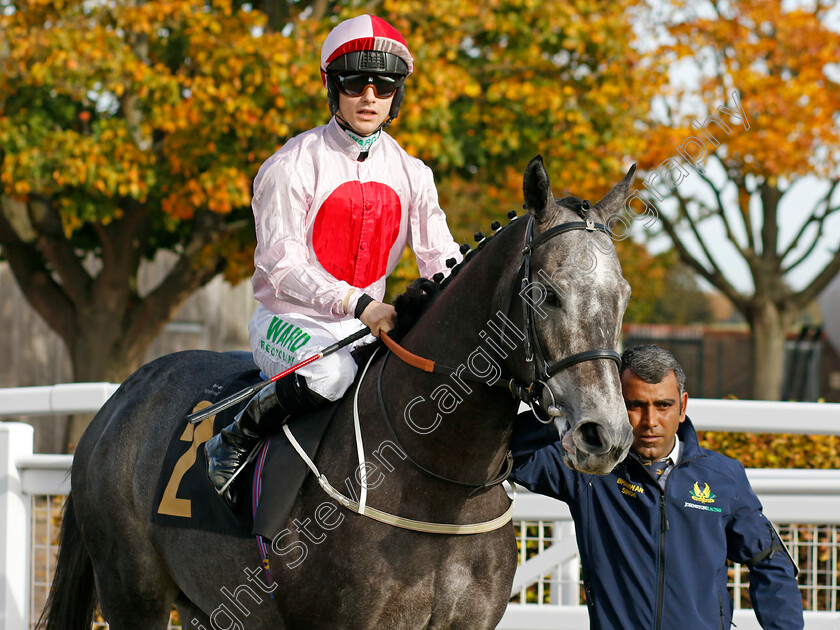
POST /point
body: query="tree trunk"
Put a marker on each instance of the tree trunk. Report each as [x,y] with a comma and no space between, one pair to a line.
[103,350]
[769,326]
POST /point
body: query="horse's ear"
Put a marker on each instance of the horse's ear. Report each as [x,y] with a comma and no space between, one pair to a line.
[614,200]
[536,188]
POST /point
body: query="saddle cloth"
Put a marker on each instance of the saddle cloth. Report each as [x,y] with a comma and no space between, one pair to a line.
[185,497]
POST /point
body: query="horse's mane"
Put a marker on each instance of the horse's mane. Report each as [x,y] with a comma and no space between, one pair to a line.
[579,206]
[421,294]
[412,303]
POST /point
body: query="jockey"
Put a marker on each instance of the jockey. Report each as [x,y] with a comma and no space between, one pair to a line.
[334,209]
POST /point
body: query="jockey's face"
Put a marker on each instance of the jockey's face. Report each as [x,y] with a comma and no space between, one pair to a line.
[655,411]
[364,113]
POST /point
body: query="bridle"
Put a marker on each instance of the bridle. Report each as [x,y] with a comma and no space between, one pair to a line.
[542,370]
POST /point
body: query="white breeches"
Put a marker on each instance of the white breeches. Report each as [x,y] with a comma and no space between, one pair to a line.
[281,341]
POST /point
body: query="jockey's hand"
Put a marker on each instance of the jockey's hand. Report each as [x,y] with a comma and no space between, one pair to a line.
[378,317]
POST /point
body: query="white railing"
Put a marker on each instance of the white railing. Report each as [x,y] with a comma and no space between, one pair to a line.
[803,497]
[24,476]
[808,498]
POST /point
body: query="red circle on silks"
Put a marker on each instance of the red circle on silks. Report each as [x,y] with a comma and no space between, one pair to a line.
[355,229]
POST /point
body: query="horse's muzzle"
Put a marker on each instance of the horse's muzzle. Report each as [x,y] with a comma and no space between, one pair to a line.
[595,448]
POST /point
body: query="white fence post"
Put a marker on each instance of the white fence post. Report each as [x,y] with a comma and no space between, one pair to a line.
[569,593]
[16,440]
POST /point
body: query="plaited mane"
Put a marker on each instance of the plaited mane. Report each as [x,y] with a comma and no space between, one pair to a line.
[411,305]
[421,293]
[579,206]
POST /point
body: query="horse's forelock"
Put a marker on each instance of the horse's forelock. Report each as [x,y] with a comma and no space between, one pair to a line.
[575,204]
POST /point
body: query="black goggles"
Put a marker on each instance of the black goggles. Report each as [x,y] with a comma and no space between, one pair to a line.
[384,86]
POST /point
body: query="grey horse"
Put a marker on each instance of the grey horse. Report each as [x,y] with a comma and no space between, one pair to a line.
[537,308]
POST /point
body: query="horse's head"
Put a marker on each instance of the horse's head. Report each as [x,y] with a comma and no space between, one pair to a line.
[573,307]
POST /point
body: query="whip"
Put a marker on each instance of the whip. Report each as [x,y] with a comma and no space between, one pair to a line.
[230,401]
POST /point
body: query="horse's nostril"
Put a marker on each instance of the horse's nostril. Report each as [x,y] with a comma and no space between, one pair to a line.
[590,436]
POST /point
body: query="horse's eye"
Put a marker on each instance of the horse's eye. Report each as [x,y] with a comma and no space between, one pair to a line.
[552,299]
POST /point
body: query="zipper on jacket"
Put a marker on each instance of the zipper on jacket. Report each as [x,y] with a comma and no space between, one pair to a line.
[587,590]
[660,590]
[663,527]
[587,577]
[723,615]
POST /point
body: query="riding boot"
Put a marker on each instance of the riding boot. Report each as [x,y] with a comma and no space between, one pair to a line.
[263,416]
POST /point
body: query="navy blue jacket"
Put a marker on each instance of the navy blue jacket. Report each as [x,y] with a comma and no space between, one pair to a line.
[654,559]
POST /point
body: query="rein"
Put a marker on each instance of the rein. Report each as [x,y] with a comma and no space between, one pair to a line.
[361,507]
[427,365]
[478,487]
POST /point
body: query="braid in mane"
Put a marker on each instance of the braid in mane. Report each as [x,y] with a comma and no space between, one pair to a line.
[412,304]
[409,306]
[579,206]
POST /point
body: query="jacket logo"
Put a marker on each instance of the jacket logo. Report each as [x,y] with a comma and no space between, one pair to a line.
[630,489]
[702,496]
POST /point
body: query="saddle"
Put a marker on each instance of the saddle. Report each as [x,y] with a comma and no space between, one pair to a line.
[185,497]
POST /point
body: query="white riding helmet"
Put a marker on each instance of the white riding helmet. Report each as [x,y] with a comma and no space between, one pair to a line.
[367,45]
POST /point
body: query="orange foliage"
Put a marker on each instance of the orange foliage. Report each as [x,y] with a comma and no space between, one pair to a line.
[763,450]
[174,104]
[779,59]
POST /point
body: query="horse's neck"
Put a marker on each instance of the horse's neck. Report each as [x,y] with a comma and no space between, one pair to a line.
[462,425]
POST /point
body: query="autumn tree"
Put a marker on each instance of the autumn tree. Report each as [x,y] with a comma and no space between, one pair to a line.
[501,81]
[682,301]
[131,128]
[127,129]
[748,124]
[664,290]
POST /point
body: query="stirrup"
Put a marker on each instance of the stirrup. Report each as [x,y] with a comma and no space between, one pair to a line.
[251,456]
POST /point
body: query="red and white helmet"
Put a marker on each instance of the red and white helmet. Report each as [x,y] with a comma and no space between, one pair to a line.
[347,49]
